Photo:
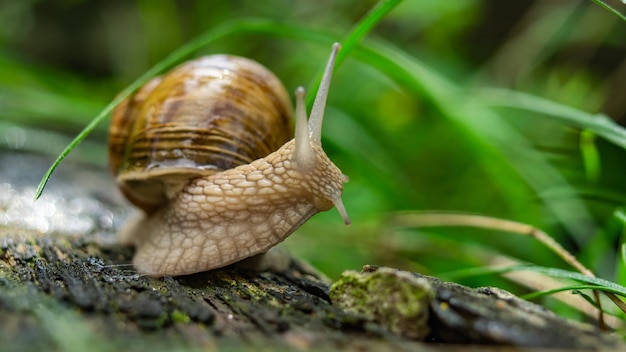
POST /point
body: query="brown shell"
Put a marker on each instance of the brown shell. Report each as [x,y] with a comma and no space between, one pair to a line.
[206,115]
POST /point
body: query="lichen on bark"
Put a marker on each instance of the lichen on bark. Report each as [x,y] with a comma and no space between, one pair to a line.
[395,299]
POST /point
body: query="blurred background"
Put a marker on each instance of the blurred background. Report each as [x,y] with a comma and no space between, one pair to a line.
[461,118]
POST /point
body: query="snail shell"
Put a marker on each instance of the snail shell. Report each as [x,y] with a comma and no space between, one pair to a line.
[205,151]
[207,115]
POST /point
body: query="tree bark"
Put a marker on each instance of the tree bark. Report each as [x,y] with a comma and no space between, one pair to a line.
[83,283]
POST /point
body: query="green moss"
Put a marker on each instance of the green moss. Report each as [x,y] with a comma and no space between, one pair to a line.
[396,300]
[180,317]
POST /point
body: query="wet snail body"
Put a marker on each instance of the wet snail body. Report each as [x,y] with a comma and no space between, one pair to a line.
[205,152]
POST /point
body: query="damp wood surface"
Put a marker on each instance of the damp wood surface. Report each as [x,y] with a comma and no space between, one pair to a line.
[63,289]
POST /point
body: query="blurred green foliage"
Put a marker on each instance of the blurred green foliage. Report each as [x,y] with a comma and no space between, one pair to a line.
[490,107]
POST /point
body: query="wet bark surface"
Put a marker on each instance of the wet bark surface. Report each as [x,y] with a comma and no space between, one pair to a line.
[71,287]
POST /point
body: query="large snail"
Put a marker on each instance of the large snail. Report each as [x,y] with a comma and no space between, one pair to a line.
[204,151]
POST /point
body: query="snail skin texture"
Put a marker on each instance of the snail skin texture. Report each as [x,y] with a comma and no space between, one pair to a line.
[197,215]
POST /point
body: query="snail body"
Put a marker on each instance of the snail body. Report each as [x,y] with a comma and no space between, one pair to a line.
[255,188]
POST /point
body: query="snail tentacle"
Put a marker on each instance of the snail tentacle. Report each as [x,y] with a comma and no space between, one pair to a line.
[319,105]
[303,155]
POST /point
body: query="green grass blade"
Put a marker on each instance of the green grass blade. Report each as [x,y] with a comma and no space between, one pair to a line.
[41,139]
[537,294]
[590,155]
[594,283]
[565,274]
[617,9]
[81,136]
[354,37]
[599,124]
[623,253]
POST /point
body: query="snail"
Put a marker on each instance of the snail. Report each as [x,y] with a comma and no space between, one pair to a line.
[205,151]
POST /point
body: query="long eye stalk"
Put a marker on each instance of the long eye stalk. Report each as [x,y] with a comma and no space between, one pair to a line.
[317,113]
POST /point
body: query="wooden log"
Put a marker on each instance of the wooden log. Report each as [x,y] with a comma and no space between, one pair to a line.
[66,285]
